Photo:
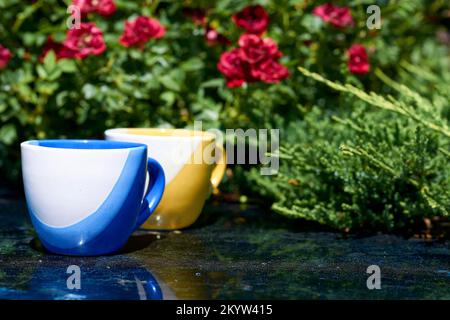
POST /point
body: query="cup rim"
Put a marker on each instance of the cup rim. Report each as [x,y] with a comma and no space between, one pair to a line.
[161,133]
[81,144]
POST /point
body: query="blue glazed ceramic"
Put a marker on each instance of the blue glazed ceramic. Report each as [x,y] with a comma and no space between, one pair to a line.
[86,197]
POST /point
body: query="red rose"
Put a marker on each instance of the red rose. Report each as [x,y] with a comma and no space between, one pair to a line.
[5,56]
[196,14]
[85,41]
[271,71]
[140,31]
[256,50]
[339,17]
[106,7]
[233,68]
[255,60]
[84,6]
[358,61]
[213,37]
[61,51]
[254,19]
[102,7]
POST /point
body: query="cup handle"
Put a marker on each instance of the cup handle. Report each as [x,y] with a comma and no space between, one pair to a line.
[219,170]
[155,191]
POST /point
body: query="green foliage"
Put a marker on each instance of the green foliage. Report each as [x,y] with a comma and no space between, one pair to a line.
[344,164]
[174,80]
[364,168]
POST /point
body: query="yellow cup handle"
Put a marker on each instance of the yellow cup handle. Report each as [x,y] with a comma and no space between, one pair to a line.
[219,170]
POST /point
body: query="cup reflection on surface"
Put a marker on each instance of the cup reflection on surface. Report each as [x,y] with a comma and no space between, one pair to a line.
[105,278]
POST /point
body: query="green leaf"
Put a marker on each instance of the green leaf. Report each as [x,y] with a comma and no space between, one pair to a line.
[169,83]
[136,54]
[312,23]
[89,91]
[41,72]
[168,97]
[67,66]
[213,83]
[55,75]
[47,88]
[192,64]
[61,98]
[8,134]
[50,61]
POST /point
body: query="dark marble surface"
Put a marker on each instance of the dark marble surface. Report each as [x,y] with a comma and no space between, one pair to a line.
[232,252]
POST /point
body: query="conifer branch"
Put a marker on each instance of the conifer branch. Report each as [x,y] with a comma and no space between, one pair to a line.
[445,152]
[349,123]
[404,90]
[432,202]
[378,101]
[347,150]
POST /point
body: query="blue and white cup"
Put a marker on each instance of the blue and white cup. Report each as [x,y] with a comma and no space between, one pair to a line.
[86,197]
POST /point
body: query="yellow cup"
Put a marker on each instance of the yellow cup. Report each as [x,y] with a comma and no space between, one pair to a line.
[193,163]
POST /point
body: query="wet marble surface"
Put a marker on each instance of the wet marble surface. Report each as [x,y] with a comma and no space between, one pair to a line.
[232,252]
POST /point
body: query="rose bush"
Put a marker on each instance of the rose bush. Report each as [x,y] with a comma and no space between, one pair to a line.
[256,59]
[5,56]
[102,7]
[85,41]
[358,61]
[141,30]
[231,64]
[254,19]
[340,17]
